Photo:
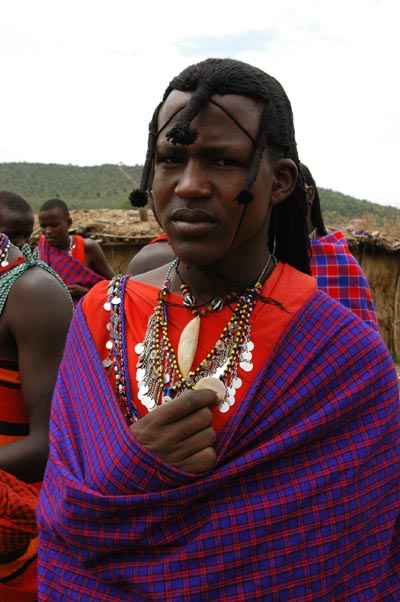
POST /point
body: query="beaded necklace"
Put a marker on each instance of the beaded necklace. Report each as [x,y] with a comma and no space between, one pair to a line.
[158,374]
[26,261]
[189,300]
[71,246]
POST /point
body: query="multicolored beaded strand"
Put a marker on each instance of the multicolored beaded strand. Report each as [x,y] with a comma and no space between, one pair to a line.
[4,248]
[158,376]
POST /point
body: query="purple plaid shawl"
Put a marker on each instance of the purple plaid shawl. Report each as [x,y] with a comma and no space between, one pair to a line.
[70,270]
[302,504]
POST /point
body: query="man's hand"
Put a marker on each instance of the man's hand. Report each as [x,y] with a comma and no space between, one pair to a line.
[180,431]
[77,291]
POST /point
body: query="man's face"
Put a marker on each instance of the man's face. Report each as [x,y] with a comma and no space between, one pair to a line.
[54,226]
[195,186]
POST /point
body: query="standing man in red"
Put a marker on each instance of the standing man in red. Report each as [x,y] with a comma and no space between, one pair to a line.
[80,262]
[35,311]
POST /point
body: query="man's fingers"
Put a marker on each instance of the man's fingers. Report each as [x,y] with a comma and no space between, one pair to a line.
[190,446]
[203,461]
[186,404]
[160,435]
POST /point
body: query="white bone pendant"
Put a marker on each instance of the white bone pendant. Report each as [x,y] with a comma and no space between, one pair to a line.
[187,346]
[213,383]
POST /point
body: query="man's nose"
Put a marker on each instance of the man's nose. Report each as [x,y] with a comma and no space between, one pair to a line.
[194,181]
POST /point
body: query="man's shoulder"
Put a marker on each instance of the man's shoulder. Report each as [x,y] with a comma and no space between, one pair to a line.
[38,282]
[89,243]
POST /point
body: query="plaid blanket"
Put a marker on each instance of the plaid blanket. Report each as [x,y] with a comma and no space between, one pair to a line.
[71,270]
[339,274]
[302,505]
[17,514]
[18,540]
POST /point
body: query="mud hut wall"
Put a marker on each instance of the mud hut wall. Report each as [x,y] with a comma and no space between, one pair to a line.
[119,255]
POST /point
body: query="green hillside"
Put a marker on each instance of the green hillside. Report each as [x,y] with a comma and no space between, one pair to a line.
[108,186]
[101,186]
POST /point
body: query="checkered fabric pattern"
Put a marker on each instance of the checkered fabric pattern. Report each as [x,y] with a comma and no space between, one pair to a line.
[70,270]
[302,505]
[18,502]
[339,274]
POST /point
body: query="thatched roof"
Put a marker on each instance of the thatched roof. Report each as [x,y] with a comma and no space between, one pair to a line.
[374,239]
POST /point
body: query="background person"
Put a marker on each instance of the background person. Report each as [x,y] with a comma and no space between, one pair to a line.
[240,440]
[35,311]
[335,268]
[79,261]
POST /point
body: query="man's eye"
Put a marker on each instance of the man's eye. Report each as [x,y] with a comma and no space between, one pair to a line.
[224,162]
[170,160]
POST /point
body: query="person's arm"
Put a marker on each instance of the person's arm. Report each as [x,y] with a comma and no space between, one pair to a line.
[96,260]
[38,314]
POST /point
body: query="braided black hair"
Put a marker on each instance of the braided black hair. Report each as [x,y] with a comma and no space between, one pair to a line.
[316,212]
[288,237]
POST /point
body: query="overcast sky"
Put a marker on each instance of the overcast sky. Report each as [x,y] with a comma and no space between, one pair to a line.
[80,78]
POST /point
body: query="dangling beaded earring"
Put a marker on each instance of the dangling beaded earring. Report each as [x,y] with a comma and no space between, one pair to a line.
[4,248]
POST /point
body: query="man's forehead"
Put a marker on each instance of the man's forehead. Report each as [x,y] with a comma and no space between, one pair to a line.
[52,211]
[242,110]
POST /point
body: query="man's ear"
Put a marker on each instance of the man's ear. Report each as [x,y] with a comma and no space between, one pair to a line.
[310,194]
[284,182]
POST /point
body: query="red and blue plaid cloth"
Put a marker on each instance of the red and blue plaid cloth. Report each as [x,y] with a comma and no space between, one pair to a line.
[303,504]
[339,274]
[70,270]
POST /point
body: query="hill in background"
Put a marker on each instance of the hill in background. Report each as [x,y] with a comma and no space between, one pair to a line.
[97,187]
[108,187]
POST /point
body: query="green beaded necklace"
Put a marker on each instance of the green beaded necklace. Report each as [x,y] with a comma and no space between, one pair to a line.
[12,272]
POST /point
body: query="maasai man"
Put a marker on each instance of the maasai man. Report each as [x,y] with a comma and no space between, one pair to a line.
[79,261]
[335,268]
[35,311]
[16,218]
[222,430]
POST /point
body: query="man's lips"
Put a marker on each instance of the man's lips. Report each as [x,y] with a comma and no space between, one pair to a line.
[191,216]
[192,222]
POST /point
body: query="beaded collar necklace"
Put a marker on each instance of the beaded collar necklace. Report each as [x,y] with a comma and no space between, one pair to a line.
[161,374]
[189,300]
[71,245]
[4,248]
